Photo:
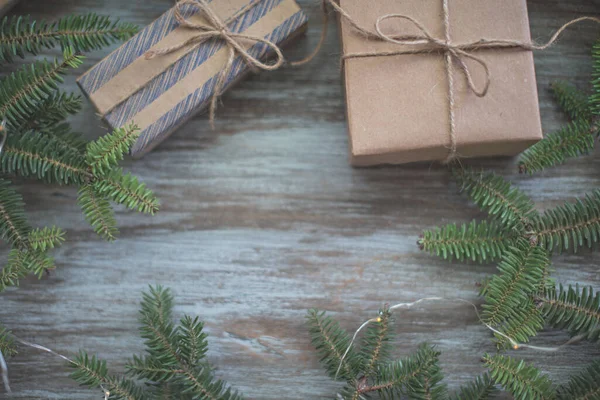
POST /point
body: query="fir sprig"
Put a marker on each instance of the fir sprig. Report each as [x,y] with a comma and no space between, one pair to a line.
[477,241]
[41,145]
[570,226]
[574,309]
[583,386]
[20,35]
[174,362]
[575,139]
[520,270]
[51,111]
[497,197]
[7,344]
[483,387]
[573,101]
[22,91]
[522,380]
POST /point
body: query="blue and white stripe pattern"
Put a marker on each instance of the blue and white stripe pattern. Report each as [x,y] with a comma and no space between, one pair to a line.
[199,99]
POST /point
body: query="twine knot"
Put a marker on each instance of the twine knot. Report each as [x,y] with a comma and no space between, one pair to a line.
[215,28]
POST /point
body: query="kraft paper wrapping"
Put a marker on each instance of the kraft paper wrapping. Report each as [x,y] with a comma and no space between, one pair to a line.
[162,93]
[398,106]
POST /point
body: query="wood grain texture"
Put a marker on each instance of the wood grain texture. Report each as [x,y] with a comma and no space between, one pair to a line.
[263,219]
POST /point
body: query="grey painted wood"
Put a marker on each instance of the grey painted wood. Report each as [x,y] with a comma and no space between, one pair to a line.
[264,219]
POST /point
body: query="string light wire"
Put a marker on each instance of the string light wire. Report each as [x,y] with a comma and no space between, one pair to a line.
[515,345]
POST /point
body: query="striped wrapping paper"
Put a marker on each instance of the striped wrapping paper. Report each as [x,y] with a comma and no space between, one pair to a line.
[162,93]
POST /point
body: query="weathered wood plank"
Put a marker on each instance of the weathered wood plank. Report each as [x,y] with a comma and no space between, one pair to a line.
[264,218]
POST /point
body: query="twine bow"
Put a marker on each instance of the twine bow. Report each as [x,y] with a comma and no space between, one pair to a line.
[216,28]
[454,54]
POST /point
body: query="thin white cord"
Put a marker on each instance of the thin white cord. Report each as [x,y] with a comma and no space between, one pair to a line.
[515,345]
[4,371]
[4,367]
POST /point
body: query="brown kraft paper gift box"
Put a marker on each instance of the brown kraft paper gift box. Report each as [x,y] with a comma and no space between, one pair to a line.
[398,105]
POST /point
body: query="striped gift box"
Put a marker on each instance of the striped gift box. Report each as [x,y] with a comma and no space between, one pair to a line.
[162,93]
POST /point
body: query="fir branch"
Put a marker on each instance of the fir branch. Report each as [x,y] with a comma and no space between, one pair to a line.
[583,386]
[106,152]
[331,342]
[82,32]
[520,270]
[65,138]
[13,225]
[428,385]
[127,190]
[43,157]
[192,341]
[46,238]
[575,139]
[98,212]
[14,270]
[50,111]
[92,372]
[572,100]
[7,344]
[481,242]
[570,226]
[392,379]
[594,99]
[524,322]
[573,309]
[497,197]
[482,388]
[376,346]
[21,91]
[523,381]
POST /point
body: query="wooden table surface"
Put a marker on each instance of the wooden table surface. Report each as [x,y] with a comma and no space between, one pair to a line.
[264,218]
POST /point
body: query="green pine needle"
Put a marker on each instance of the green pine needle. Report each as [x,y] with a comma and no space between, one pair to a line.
[105,153]
[18,35]
[404,375]
[46,238]
[376,344]
[13,224]
[575,139]
[98,212]
[583,386]
[50,112]
[331,342]
[127,190]
[93,373]
[22,91]
[594,100]
[497,197]
[8,347]
[522,380]
[64,137]
[482,388]
[44,157]
[570,226]
[574,309]
[14,270]
[192,340]
[572,100]
[524,322]
[520,271]
[477,241]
